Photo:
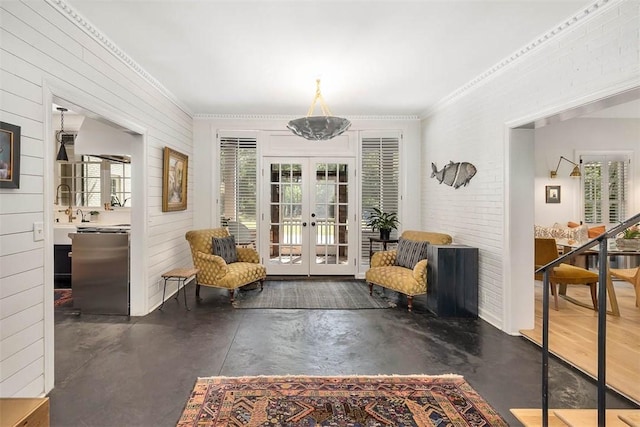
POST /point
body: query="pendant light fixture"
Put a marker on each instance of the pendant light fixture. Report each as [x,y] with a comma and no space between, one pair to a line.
[319,128]
[62,152]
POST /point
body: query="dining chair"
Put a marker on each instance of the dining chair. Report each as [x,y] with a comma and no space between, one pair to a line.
[631,275]
[546,251]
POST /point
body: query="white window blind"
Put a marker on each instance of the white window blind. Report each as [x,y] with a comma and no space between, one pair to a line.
[605,188]
[380,180]
[238,187]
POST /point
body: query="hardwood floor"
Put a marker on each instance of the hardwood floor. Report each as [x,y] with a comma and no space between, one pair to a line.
[573,337]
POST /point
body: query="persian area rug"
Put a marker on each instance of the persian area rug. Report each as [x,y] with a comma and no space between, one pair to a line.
[339,295]
[62,298]
[415,400]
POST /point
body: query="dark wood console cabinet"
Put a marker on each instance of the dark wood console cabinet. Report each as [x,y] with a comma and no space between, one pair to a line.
[452,280]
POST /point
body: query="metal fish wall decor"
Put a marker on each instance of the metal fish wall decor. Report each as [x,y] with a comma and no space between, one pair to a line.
[454,174]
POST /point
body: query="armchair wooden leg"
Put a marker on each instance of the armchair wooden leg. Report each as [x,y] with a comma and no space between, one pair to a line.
[261,284]
[370,288]
[231,295]
[410,302]
[197,291]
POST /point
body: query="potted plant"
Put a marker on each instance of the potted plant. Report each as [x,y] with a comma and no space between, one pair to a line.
[383,221]
[629,239]
[94,215]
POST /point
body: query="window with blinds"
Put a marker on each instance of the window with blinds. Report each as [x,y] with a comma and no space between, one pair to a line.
[238,187]
[380,180]
[605,188]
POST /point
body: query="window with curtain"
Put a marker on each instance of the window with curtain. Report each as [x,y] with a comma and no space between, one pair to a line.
[380,180]
[605,187]
[238,187]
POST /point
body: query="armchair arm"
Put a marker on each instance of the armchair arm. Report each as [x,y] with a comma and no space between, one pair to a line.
[210,264]
[247,255]
[420,271]
[383,258]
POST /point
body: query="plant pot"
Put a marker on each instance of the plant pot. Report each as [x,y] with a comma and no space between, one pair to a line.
[628,244]
[385,234]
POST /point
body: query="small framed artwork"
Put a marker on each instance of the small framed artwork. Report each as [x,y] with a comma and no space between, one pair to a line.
[552,193]
[174,181]
[9,155]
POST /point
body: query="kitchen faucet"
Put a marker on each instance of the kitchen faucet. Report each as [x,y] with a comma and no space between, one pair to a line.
[81,215]
[67,211]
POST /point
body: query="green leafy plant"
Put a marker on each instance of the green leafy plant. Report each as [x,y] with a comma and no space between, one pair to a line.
[379,220]
[94,213]
[632,232]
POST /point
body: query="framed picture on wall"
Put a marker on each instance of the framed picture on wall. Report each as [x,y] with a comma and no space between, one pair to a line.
[552,194]
[9,155]
[174,181]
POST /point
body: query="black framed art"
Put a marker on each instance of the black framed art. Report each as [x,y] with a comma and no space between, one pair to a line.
[552,194]
[9,155]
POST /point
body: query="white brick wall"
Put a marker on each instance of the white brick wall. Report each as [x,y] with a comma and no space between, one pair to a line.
[589,58]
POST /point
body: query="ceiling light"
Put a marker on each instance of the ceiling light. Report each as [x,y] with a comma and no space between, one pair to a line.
[62,153]
[319,128]
[575,173]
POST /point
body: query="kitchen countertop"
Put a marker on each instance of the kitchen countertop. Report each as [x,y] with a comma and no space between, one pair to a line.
[61,230]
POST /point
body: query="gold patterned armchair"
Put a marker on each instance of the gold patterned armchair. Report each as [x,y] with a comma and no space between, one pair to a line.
[215,271]
[404,269]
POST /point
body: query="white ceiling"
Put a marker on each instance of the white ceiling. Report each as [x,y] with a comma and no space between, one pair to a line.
[374,57]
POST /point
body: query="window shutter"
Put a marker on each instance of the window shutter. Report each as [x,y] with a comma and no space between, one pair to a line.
[380,180]
[238,186]
[605,188]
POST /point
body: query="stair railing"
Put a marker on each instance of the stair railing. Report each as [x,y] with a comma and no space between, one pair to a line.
[603,274]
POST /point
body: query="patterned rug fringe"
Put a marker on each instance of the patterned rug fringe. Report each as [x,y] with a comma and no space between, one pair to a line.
[378,376]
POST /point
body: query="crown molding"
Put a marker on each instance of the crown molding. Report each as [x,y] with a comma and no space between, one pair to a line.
[81,22]
[568,24]
[291,117]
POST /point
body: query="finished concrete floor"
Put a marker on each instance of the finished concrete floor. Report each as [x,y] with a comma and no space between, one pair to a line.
[110,371]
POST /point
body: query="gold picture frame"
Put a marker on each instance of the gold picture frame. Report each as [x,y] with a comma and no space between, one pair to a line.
[9,155]
[174,180]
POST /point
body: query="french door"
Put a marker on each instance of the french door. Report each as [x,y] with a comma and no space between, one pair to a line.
[309,216]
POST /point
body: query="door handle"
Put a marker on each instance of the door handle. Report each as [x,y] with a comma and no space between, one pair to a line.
[313,224]
[304,224]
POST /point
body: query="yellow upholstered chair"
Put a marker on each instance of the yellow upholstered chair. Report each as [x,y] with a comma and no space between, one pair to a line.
[214,270]
[631,275]
[546,250]
[409,281]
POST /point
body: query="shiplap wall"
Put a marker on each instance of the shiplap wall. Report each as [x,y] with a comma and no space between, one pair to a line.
[40,46]
[591,56]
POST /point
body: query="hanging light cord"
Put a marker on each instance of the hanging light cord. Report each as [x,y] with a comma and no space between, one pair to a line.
[62,110]
[323,105]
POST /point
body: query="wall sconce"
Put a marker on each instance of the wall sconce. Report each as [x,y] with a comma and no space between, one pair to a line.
[575,173]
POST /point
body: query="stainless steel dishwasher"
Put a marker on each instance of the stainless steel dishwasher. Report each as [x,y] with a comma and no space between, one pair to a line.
[100,265]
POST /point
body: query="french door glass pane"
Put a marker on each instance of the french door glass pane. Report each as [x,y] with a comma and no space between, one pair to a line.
[285,213]
[331,213]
